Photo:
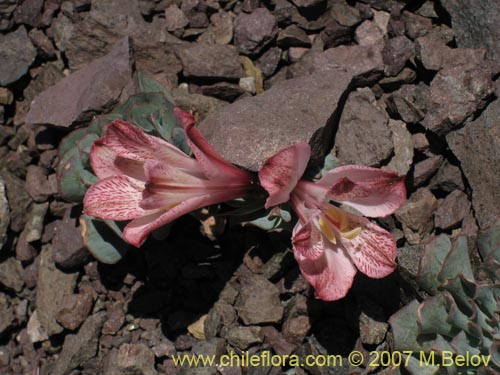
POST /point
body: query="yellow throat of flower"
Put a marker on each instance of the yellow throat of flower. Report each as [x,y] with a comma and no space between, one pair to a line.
[333,216]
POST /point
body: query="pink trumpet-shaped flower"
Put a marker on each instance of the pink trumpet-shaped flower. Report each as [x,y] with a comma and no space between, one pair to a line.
[330,244]
[151,182]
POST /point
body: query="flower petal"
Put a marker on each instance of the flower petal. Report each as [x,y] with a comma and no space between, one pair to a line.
[373,250]
[137,230]
[331,274]
[307,240]
[106,163]
[373,192]
[115,198]
[214,166]
[280,173]
[130,142]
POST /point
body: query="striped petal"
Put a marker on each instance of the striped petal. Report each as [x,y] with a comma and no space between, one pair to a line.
[106,163]
[280,173]
[373,192]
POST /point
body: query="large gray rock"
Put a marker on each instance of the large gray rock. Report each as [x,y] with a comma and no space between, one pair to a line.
[253,129]
[16,55]
[91,90]
[475,23]
[477,146]
[363,136]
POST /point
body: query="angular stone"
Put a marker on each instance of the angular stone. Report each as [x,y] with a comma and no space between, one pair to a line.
[17,55]
[477,147]
[369,34]
[307,3]
[74,310]
[195,11]
[40,185]
[175,18]
[6,313]
[435,54]
[116,318]
[417,216]
[452,210]
[425,169]
[363,136]
[43,44]
[344,14]
[259,301]
[79,348]
[220,30]
[397,51]
[448,178]
[334,34]
[68,248]
[279,344]
[224,90]
[403,148]
[456,93]
[296,329]
[11,274]
[475,24]
[211,61]
[293,36]
[252,32]
[93,89]
[293,119]
[52,286]
[371,331]
[409,102]
[243,337]
[29,12]
[136,359]
[269,61]
[4,214]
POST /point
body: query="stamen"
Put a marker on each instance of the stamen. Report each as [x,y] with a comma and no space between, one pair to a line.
[352,233]
[327,230]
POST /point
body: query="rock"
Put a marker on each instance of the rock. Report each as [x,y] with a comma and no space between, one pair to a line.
[425,169]
[4,214]
[211,61]
[296,329]
[52,286]
[43,44]
[416,25]
[252,32]
[136,359]
[407,75]
[416,215]
[220,30]
[397,51]
[408,259]
[248,84]
[79,348]
[214,347]
[403,148]
[29,12]
[7,9]
[11,274]
[74,310]
[477,146]
[30,273]
[369,34]
[456,93]
[344,14]
[452,210]
[293,36]
[69,103]
[307,3]
[6,314]
[434,54]
[268,62]
[116,318]
[175,18]
[294,119]
[34,225]
[448,178]
[371,331]
[68,248]
[258,301]
[201,105]
[363,136]
[243,337]
[16,57]
[6,96]
[195,12]
[334,34]
[475,25]
[224,91]
[279,344]
[40,185]
[409,103]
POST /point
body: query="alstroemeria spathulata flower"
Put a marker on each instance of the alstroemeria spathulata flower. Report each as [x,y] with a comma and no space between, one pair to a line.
[329,243]
[151,182]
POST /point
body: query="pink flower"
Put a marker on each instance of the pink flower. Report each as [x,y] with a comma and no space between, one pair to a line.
[151,182]
[330,244]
